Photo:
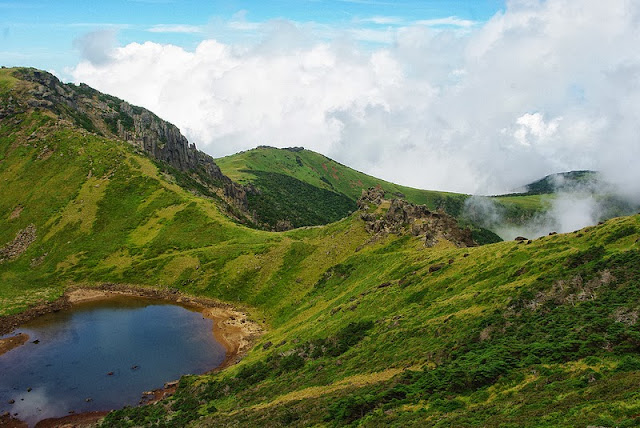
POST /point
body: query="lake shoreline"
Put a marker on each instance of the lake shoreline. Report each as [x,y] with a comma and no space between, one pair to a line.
[232,328]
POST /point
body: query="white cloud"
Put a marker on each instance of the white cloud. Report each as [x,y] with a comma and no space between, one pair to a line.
[244,25]
[381,20]
[175,28]
[96,47]
[450,21]
[372,35]
[539,88]
[531,129]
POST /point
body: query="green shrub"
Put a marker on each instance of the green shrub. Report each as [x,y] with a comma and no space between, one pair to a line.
[628,363]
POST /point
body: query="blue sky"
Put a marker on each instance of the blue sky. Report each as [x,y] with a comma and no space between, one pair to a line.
[41,33]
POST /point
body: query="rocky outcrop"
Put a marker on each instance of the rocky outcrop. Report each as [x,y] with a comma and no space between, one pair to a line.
[19,245]
[405,217]
[8,107]
[110,116]
[374,195]
[160,139]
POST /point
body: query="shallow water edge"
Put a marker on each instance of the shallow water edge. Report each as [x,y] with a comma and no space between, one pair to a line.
[232,329]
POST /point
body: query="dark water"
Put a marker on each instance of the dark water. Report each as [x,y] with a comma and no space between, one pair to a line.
[78,348]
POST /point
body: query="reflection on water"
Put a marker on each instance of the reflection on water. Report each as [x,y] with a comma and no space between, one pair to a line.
[102,356]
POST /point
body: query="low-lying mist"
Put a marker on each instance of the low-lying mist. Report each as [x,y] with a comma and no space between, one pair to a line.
[573,205]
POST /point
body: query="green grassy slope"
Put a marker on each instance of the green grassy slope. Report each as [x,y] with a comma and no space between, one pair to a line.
[307,188]
[104,213]
[517,334]
[319,171]
[361,330]
[296,172]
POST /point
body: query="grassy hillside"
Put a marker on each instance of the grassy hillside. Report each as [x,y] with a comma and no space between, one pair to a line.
[362,330]
[292,174]
[299,187]
[319,171]
[539,334]
[104,213]
[307,188]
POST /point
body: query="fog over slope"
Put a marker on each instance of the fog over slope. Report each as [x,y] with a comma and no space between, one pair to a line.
[572,206]
[475,107]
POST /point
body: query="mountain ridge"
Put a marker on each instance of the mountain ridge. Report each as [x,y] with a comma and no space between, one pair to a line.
[319,190]
[109,116]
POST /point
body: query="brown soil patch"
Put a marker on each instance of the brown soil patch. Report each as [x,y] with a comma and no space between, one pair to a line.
[81,420]
[8,343]
[16,212]
[234,331]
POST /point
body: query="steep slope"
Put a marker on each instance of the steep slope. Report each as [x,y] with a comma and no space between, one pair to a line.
[107,116]
[368,322]
[79,207]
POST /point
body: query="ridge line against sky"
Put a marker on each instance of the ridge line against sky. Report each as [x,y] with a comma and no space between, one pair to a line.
[468,96]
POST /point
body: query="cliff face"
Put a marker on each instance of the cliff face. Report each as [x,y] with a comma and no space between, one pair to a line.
[109,116]
[405,217]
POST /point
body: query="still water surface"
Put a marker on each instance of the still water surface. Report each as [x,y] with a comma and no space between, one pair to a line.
[144,343]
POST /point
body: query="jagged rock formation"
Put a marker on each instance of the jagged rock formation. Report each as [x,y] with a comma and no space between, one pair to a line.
[112,117]
[406,217]
[374,195]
